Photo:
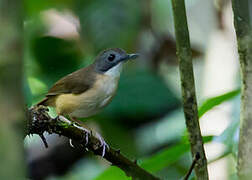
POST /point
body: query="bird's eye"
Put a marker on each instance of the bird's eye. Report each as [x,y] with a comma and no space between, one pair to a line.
[111,57]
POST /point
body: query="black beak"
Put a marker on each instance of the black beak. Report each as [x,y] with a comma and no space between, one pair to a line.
[130,56]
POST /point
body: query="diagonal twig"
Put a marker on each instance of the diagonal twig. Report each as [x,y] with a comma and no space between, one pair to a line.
[39,122]
[195,159]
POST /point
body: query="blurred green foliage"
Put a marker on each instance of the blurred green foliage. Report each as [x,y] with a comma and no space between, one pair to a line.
[212,102]
[145,104]
[55,54]
[135,97]
[111,24]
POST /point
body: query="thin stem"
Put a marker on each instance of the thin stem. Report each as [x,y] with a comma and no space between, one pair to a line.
[195,159]
[184,54]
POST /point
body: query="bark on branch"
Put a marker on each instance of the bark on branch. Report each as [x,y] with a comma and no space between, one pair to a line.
[39,122]
[184,54]
[243,29]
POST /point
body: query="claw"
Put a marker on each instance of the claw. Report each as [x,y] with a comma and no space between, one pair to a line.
[86,139]
[105,145]
[70,142]
[102,143]
[44,140]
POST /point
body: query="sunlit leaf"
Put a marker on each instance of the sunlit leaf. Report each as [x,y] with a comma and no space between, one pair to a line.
[214,101]
[36,86]
[113,173]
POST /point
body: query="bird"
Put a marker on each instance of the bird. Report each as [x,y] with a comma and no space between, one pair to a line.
[87,91]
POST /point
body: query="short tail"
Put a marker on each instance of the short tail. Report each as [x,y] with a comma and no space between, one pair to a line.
[43,102]
[47,101]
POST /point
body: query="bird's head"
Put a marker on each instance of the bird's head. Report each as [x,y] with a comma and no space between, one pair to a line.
[110,61]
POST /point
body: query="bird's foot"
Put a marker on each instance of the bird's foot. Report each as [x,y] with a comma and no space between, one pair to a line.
[101,143]
[77,125]
[71,143]
[93,137]
[62,118]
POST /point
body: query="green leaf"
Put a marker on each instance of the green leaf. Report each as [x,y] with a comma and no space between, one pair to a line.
[112,173]
[168,156]
[36,86]
[214,101]
[164,158]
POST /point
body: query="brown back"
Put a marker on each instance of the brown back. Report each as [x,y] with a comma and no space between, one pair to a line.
[76,82]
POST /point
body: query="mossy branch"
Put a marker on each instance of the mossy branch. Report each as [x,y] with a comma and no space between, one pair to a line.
[243,29]
[184,54]
[39,122]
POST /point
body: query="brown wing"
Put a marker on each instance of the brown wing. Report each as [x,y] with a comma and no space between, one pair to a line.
[76,82]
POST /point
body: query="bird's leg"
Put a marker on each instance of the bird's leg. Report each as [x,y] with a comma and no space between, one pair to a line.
[100,143]
[79,124]
[74,119]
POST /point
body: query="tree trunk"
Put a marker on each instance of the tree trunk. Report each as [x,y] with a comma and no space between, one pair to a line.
[11,106]
[244,39]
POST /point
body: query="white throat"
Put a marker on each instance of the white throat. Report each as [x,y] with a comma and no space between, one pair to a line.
[115,71]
